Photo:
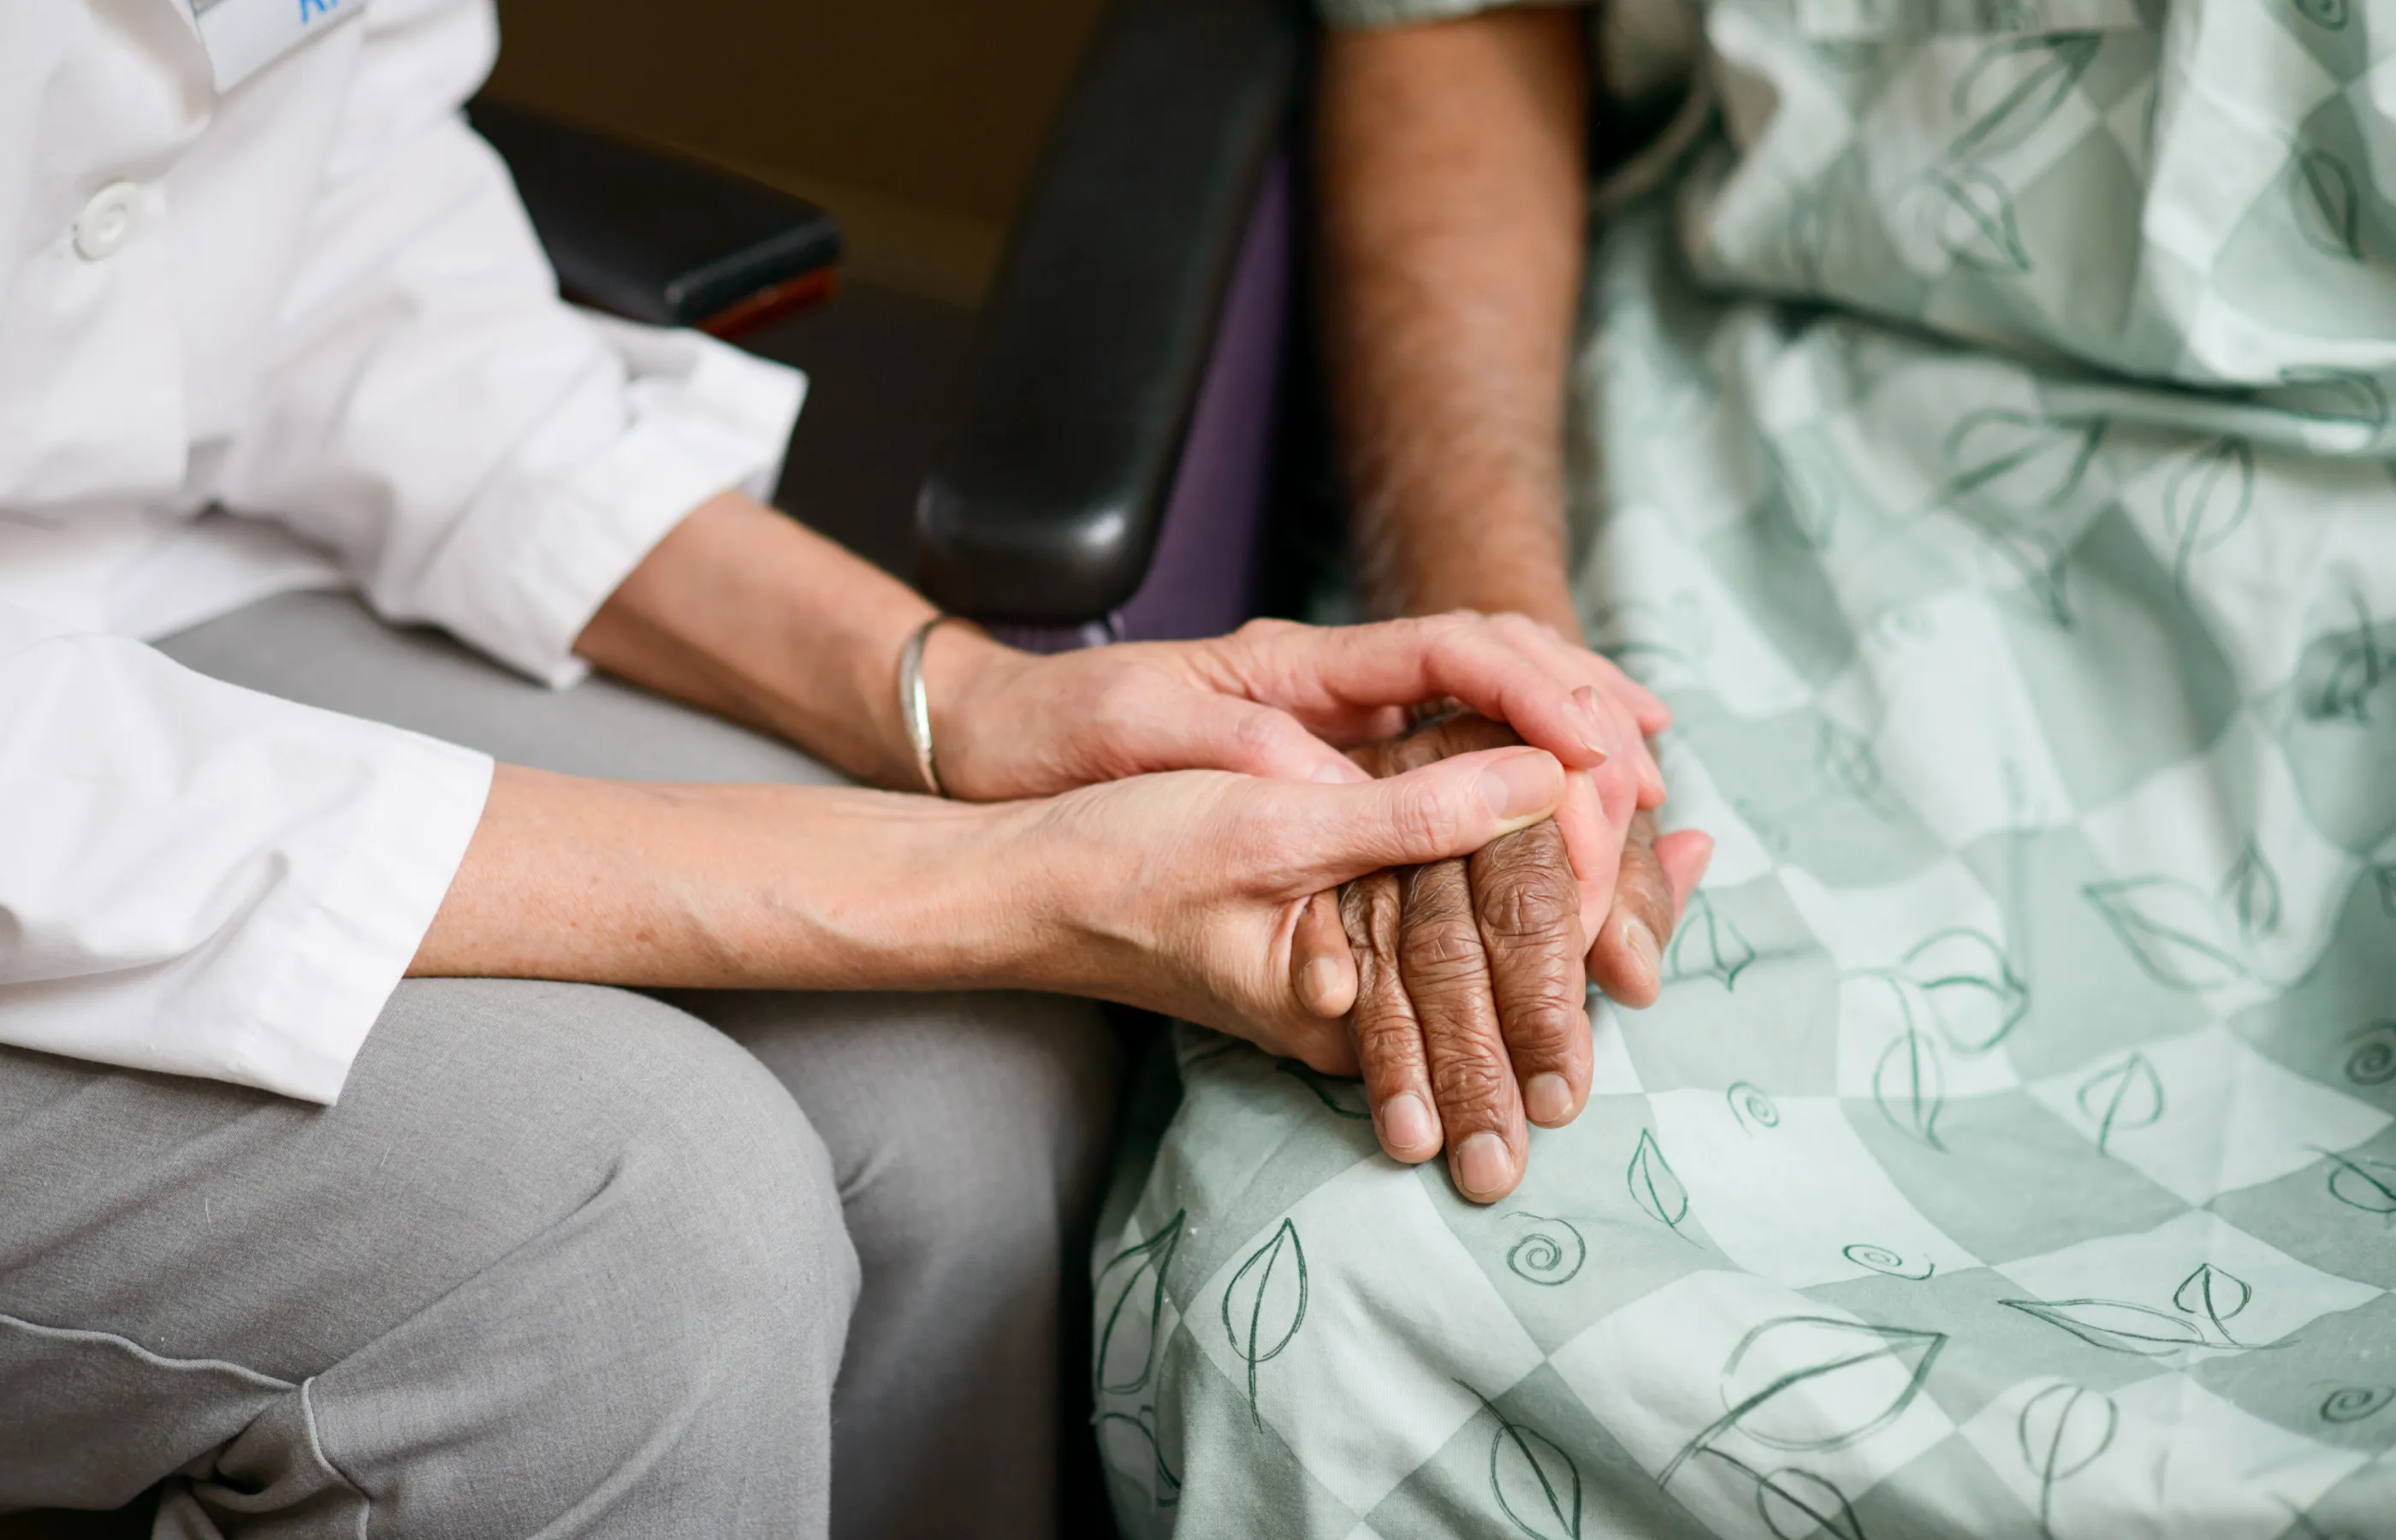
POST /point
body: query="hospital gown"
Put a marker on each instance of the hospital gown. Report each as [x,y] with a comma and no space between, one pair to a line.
[1981,439]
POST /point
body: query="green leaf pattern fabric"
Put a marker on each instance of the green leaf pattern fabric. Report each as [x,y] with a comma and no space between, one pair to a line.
[1982,442]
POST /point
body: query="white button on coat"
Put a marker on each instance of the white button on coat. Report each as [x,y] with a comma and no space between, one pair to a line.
[107,222]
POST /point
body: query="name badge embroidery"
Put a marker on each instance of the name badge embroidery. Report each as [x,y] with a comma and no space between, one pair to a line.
[243,36]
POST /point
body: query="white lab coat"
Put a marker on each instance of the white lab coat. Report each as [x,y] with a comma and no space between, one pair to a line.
[295,333]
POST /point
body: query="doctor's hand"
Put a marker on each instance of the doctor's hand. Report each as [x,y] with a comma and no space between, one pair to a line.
[1191,890]
[1182,892]
[747,613]
[1469,1009]
[1273,698]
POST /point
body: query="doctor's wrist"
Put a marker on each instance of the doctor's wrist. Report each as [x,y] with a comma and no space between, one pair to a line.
[965,674]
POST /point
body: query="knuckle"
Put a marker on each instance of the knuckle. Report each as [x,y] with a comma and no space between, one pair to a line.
[1372,936]
[1450,640]
[1525,894]
[1437,632]
[1443,958]
[1370,908]
[1260,731]
[1526,912]
[1444,965]
[1467,1080]
[1443,953]
[1543,1014]
[1424,821]
[1387,1040]
[1437,890]
[1375,988]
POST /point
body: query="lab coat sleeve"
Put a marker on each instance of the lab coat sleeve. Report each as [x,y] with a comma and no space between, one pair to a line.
[204,880]
[477,453]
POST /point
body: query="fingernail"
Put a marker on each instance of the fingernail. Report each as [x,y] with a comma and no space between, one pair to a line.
[1315,983]
[1642,942]
[1340,772]
[1405,1122]
[1596,734]
[1519,784]
[1483,1169]
[1548,1099]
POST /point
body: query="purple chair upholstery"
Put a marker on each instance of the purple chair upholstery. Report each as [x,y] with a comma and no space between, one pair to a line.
[1202,580]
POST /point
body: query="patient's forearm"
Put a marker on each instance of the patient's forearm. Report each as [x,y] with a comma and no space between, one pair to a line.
[1452,168]
[805,887]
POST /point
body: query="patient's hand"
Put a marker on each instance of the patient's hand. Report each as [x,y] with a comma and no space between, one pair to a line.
[1468,1012]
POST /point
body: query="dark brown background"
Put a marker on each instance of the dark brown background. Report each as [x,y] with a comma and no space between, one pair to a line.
[915,121]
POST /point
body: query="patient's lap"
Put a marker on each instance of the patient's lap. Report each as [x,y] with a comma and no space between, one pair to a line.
[2015,1123]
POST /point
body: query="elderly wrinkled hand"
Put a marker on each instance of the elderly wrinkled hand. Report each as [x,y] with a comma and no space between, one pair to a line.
[1467,1014]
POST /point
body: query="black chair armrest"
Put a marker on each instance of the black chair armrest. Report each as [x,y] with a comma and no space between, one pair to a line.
[1045,506]
[654,236]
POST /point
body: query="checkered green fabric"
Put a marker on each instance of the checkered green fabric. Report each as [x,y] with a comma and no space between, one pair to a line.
[1986,455]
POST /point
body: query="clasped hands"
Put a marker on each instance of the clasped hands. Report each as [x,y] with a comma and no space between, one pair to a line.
[1457,988]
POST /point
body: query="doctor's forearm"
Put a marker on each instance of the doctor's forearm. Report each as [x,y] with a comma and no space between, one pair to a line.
[748,614]
[760,886]
[1451,223]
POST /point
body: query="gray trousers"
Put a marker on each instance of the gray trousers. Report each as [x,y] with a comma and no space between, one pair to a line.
[565,1260]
